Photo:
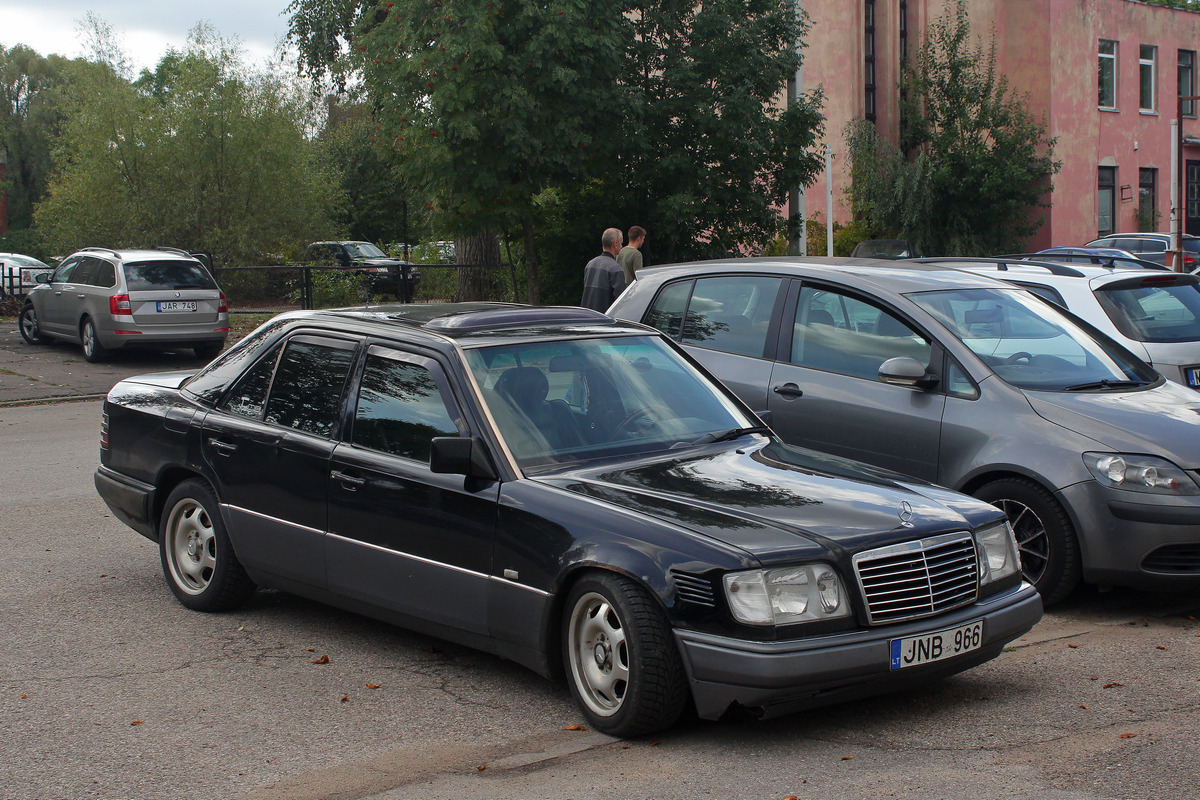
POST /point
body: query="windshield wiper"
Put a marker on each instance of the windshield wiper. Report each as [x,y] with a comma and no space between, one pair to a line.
[1104,384]
[732,433]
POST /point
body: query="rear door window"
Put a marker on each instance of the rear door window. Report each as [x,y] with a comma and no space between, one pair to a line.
[309,379]
[728,313]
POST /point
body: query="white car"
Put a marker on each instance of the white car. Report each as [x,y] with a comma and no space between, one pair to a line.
[18,272]
[1154,314]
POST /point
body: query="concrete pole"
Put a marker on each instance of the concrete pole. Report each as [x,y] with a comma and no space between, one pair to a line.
[828,200]
[797,204]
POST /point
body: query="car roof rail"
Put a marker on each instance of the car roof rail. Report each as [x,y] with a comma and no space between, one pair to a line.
[102,250]
[1003,262]
[178,250]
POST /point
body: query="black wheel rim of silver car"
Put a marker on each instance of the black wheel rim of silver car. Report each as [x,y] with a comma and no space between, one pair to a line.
[1032,540]
[599,654]
[190,546]
[29,323]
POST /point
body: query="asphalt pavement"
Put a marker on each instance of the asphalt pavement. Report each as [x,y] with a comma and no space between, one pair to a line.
[57,372]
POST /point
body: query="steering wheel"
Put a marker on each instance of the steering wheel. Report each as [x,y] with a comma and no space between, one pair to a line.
[643,414]
[1018,356]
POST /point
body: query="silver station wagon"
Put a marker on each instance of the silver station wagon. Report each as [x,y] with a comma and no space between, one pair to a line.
[965,381]
[110,300]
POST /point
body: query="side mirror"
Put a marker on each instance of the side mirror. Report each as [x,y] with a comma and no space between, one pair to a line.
[460,455]
[906,371]
[42,277]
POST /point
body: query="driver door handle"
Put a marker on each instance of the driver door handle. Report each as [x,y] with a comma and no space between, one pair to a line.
[787,390]
[351,480]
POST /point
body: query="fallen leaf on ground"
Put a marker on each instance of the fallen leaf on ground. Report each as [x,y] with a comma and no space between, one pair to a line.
[321,660]
[372,685]
[481,767]
[137,722]
[310,649]
[1084,708]
[1111,685]
[847,758]
[346,699]
[575,727]
[1073,646]
[1159,647]
[1128,735]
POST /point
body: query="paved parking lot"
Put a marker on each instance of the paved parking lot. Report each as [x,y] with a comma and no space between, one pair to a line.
[31,373]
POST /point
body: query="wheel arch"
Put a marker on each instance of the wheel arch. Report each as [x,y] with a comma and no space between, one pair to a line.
[1013,472]
[167,480]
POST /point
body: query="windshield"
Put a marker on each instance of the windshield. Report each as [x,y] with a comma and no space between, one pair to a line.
[1157,309]
[1031,344]
[364,250]
[150,275]
[566,401]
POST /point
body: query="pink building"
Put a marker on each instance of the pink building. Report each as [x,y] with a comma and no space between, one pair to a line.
[1105,76]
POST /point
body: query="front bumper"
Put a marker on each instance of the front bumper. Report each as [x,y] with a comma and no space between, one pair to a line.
[773,678]
[1129,539]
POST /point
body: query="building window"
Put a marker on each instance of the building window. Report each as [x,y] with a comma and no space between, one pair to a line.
[1108,73]
[1187,81]
[1106,195]
[869,66]
[903,31]
[1147,199]
[1146,77]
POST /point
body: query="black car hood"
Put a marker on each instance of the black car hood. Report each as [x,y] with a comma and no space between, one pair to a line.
[1163,420]
[778,500]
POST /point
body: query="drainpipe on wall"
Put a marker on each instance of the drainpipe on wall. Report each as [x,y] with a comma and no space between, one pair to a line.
[1176,144]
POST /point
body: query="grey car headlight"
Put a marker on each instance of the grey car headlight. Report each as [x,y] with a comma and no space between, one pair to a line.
[1140,474]
[998,555]
[786,595]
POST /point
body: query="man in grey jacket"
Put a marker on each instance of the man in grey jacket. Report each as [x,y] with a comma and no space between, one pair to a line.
[603,278]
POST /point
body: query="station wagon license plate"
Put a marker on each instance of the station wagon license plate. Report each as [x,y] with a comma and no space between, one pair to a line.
[913,650]
[177,305]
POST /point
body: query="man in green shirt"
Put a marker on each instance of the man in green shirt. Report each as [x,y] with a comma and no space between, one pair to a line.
[630,257]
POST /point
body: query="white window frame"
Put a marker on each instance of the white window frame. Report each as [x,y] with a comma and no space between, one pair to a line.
[1148,69]
[1109,58]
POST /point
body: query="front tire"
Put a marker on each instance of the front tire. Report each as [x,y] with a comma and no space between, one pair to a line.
[28,324]
[621,660]
[1045,536]
[197,557]
[93,350]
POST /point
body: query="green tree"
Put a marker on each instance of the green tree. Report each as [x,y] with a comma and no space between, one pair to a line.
[32,112]
[973,163]
[511,114]
[200,153]
[485,104]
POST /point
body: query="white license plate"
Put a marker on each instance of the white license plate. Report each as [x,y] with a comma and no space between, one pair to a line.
[1193,377]
[913,650]
[177,305]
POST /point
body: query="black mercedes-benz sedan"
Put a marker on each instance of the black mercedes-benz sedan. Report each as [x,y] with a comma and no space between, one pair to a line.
[566,491]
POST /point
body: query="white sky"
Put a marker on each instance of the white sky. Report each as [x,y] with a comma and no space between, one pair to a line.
[145,29]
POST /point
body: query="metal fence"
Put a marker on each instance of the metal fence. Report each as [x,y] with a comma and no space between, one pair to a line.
[271,289]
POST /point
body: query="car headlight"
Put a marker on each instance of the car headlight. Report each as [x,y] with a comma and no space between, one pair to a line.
[998,555]
[787,595]
[1140,474]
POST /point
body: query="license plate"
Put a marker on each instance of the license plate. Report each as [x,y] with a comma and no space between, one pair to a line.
[1193,377]
[913,650]
[177,305]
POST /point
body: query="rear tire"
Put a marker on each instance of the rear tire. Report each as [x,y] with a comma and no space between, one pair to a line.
[621,659]
[1045,537]
[197,557]
[93,351]
[30,331]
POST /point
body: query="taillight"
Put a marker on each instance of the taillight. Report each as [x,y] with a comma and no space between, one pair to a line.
[223,305]
[119,304]
[1189,263]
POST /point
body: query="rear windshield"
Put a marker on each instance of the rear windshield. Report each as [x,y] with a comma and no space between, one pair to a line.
[1157,309]
[149,275]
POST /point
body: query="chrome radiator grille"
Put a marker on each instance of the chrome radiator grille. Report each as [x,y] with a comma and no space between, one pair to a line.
[918,579]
